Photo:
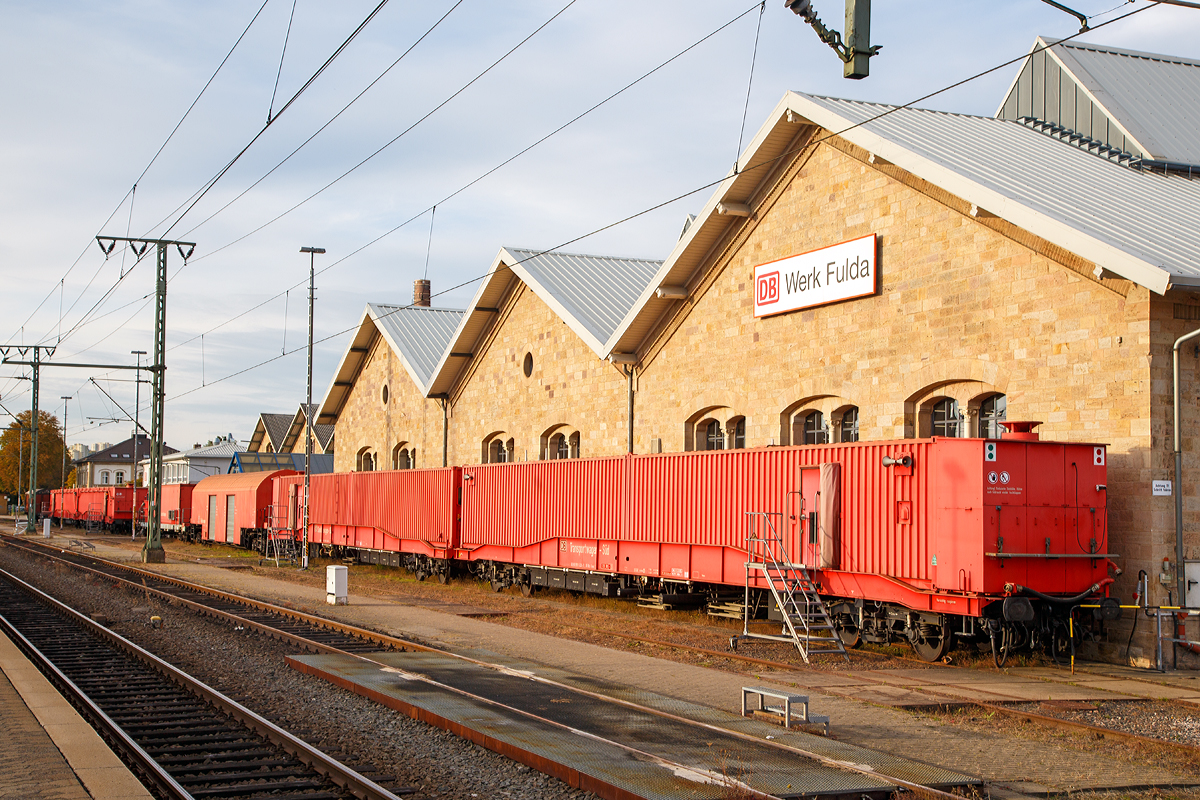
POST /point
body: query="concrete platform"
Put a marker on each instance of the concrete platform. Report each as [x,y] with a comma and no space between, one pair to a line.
[868,707]
[46,749]
[673,750]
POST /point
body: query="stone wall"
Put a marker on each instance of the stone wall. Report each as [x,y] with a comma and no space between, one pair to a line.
[568,390]
[406,420]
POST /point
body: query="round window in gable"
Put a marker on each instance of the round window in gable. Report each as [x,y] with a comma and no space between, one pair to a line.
[385,394]
[527,367]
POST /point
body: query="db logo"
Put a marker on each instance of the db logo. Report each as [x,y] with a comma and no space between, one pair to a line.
[767,289]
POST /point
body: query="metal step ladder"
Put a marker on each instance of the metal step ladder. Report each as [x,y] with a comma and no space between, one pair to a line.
[281,540]
[93,521]
[806,621]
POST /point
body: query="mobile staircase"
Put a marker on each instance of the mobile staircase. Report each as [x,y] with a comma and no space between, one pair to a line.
[93,521]
[806,621]
[281,540]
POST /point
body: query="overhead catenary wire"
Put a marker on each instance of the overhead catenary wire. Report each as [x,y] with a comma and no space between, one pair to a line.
[282,56]
[481,176]
[199,195]
[312,79]
[749,85]
[766,164]
[398,136]
[328,122]
[153,159]
[429,244]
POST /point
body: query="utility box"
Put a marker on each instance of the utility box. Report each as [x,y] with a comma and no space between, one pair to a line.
[46,527]
[337,582]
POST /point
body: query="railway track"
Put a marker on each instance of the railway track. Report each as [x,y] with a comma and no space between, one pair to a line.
[294,627]
[183,738]
[323,635]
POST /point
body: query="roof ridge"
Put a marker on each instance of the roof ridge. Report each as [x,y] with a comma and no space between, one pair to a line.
[538,252]
[1121,51]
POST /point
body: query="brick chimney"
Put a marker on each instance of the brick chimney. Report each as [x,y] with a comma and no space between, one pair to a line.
[421,292]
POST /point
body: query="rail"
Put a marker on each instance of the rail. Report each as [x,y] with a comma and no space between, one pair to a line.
[147,575]
[321,763]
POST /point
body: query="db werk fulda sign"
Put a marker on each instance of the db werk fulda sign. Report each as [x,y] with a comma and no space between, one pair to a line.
[841,272]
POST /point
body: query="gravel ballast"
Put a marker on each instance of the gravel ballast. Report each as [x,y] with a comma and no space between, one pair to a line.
[383,744]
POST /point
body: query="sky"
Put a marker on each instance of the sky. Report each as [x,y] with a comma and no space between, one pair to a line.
[92,90]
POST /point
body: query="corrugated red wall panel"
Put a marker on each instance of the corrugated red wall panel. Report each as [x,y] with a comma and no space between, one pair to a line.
[521,504]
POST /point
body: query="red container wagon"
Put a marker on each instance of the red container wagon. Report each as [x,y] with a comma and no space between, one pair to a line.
[235,509]
[110,507]
[397,517]
[175,512]
[904,538]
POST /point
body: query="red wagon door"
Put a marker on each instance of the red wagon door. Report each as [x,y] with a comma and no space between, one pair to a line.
[802,517]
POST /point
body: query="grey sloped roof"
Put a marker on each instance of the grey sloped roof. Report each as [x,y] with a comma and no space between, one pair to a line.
[222,450]
[1152,101]
[595,292]
[276,426]
[419,334]
[1143,226]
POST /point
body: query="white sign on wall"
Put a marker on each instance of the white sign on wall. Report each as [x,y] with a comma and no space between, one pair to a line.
[841,272]
[1160,488]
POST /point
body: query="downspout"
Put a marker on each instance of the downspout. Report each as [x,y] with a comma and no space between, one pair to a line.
[628,370]
[445,430]
[1180,578]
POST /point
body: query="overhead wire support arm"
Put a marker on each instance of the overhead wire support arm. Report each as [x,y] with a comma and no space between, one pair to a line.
[857,48]
[1083,20]
[128,416]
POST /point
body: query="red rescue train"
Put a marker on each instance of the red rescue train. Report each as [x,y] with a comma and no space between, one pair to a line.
[921,540]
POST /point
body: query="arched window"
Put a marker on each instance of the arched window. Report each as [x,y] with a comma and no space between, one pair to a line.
[105,477]
[737,433]
[714,438]
[403,459]
[366,460]
[814,428]
[573,444]
[120,477]
[403,456]
[499,452]
[848,429]
[947,420]
[992,412]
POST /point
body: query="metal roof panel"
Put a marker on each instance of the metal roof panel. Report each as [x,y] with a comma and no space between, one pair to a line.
[1144,226]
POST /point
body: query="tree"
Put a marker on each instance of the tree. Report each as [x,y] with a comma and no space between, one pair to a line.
[17,438]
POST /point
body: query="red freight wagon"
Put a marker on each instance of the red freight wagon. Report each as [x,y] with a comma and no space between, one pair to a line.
[411,511]
[234,509]
[105,506]
[175,511]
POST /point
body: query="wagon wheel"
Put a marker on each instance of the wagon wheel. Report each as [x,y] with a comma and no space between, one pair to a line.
[420,575]
[527,589]
[933,643]
[850,635]
[443,576]
[497,586]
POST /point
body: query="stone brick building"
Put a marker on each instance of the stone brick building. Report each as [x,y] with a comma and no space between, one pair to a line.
[1021,270]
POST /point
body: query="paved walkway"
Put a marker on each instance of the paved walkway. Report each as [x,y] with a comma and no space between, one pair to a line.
[48,751]
[858,702]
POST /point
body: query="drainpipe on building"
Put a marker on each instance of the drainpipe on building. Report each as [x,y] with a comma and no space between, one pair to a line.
[628,370]
[1180,577]
[445,429]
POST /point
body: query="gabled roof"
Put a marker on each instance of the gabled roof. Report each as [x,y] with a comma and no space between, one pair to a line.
[294,441]
[591,294]
[270,429]
[1148,104]
[123,451]
[1142,226]
[418,335]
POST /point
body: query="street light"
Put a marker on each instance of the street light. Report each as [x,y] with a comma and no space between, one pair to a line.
[63,483]
[137,401]
[308,421]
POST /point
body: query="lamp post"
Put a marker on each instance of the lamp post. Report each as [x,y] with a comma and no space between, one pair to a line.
[137,402]
[63,483]
[308,415]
